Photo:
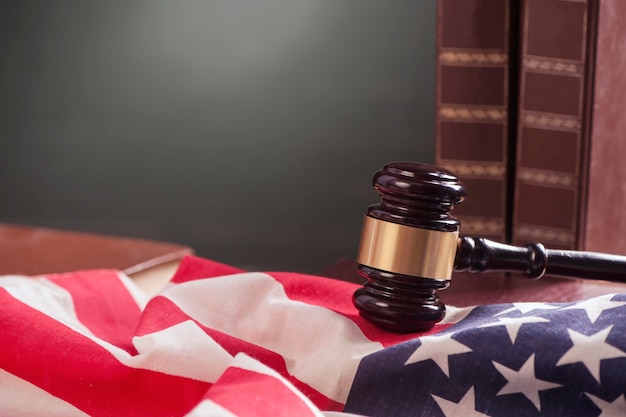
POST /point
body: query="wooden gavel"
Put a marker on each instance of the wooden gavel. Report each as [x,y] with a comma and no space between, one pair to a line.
[410,246]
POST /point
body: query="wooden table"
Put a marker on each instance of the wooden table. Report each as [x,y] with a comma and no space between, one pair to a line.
[34,250]
[26,250]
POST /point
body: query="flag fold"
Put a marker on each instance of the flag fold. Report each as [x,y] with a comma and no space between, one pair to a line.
[217,341]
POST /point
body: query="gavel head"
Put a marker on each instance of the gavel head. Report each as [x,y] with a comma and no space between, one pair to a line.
[408,244]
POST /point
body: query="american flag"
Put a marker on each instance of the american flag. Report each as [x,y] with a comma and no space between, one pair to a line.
[218,341]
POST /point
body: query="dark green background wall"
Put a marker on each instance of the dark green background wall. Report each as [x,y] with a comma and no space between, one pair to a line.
[248,130]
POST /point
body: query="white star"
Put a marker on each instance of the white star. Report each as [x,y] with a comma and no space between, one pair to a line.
[513,324]
[595,306]
[527,307]
[437,348]
[615,409]
[590,350]
[464,408]
[524,381]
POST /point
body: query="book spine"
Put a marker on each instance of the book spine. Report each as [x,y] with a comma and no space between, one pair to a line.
[605,223]
[475,100]
[555,89]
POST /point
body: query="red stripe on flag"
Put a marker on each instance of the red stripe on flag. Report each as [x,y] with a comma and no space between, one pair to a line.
[167,314]
[74,368]
[113,316]
[249,394]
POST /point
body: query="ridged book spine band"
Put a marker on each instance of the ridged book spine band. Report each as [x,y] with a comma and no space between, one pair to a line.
[569,170]
[475,108]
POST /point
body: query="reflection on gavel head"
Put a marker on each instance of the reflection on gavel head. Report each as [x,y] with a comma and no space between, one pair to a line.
[408,246]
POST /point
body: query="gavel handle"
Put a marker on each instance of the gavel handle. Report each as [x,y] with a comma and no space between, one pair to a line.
[476,254]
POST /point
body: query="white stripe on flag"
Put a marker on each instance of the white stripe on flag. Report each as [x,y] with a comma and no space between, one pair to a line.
[17,395]
[208,408]
[140,297]
[455,314]
[182,349]
[320,347]
[48,298]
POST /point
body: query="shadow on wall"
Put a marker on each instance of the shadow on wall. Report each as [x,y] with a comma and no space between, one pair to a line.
[248,130]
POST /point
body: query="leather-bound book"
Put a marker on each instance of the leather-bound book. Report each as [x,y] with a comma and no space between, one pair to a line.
[475,98]
[570,188]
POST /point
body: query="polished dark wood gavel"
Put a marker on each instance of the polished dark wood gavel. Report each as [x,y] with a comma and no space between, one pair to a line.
[410,245]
